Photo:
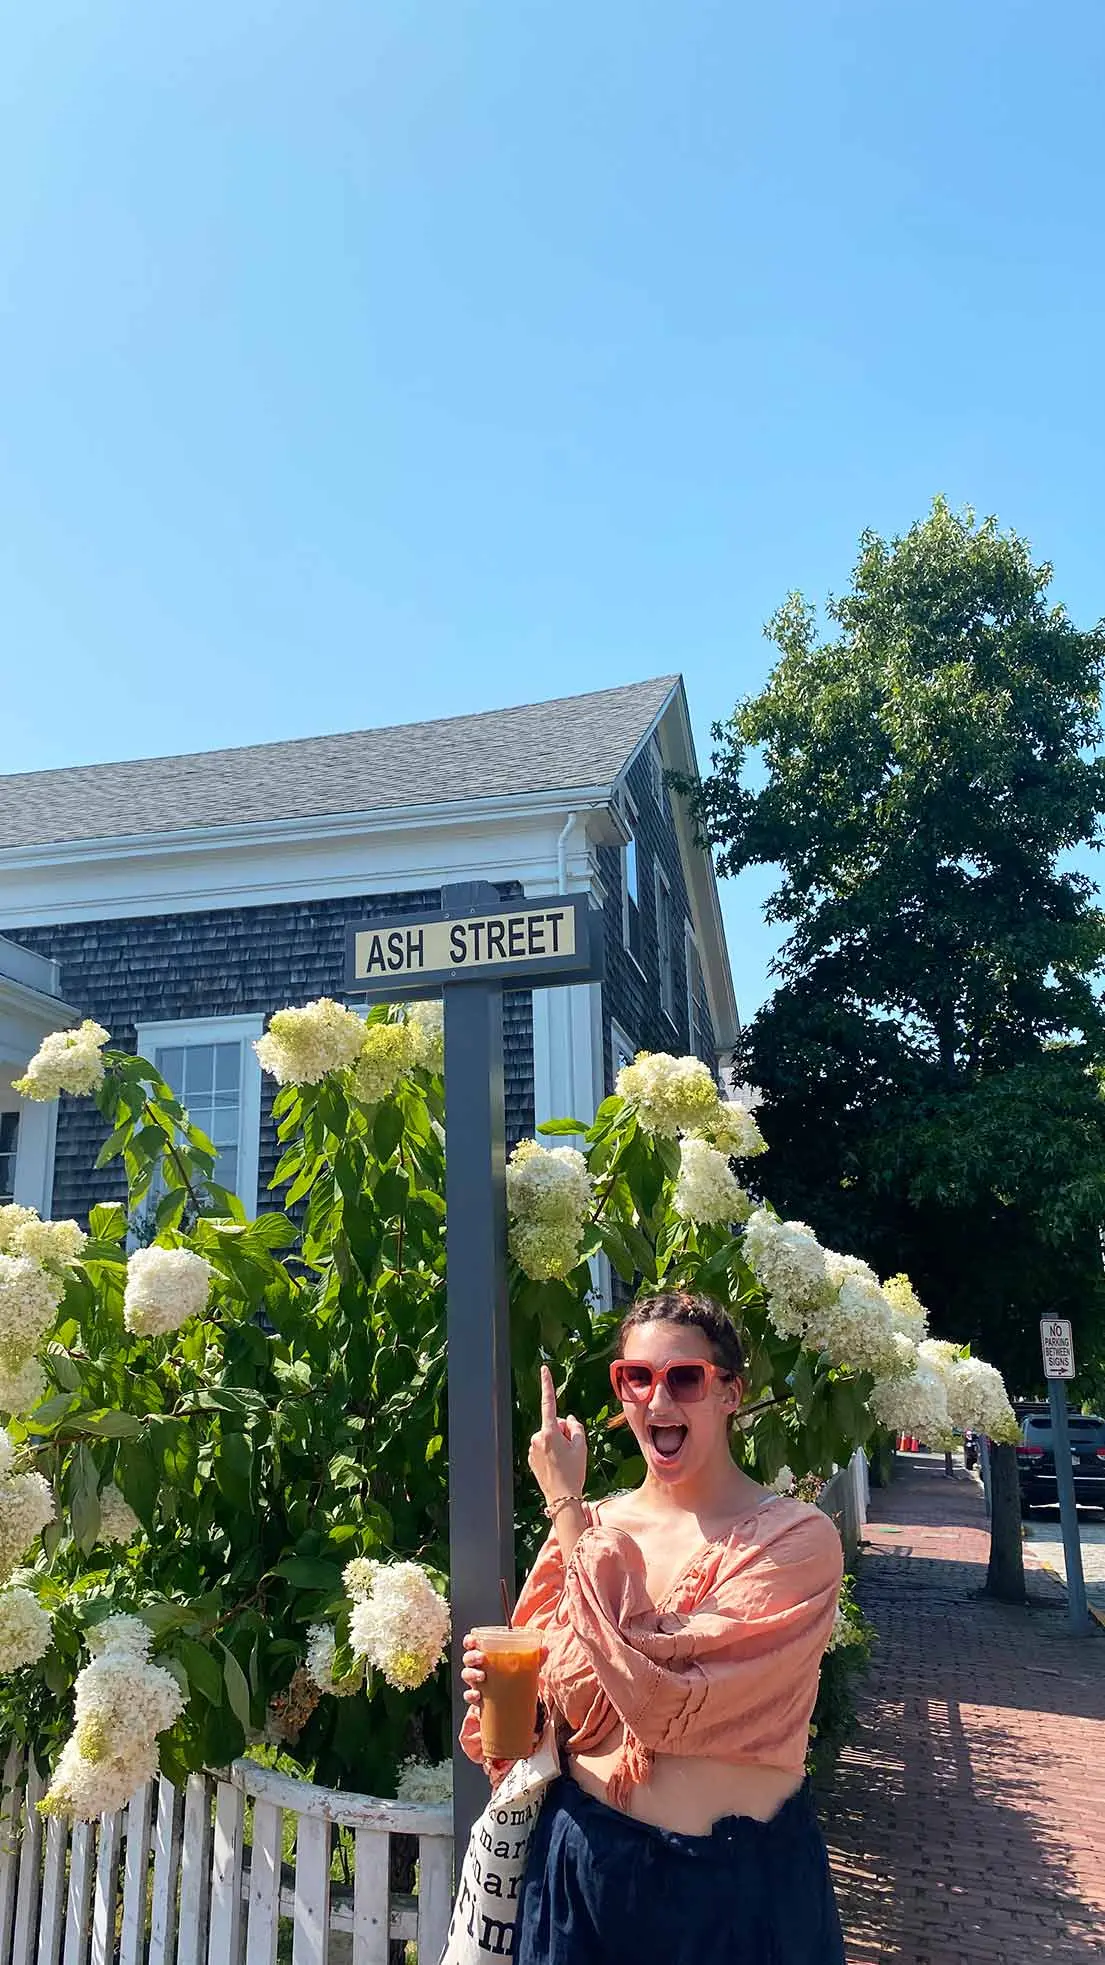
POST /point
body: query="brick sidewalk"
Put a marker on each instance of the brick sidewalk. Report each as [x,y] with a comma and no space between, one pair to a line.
[966,1821]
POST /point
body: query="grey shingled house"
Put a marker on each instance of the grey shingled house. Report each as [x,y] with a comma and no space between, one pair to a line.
[181,900]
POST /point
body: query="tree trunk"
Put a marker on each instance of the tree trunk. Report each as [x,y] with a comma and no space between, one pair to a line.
[948,1468]
[1005,1574]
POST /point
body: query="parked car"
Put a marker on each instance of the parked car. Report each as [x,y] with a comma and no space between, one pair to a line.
[1039,1483]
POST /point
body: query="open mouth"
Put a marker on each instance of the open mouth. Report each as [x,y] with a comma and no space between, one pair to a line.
[667,1443]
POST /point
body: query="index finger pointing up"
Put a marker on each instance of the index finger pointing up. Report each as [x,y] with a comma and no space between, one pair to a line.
[548,1397]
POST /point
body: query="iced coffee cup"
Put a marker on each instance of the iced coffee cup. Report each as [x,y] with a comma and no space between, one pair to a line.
[508,1699]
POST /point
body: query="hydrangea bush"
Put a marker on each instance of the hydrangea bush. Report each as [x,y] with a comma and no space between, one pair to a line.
[224,1469]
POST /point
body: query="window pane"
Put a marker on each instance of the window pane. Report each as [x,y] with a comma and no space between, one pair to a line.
[228,1067]
[199,1069]
[221,1125]
[631,871]
[170,1063]
[226,1173]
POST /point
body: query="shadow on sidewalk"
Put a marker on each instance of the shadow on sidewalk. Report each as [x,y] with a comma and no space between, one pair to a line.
[964,1821]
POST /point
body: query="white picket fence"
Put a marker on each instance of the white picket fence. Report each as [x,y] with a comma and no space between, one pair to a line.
[198,1878]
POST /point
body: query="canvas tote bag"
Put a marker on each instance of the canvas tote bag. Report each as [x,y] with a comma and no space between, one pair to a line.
[490,1883]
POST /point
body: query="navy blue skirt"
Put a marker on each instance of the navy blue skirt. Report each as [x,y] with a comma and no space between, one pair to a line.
[600,1887]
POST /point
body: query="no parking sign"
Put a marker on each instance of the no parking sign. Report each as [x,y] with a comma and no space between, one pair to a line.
[1057,1342]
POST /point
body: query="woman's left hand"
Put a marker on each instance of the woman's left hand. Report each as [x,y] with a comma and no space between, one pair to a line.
[558,1450]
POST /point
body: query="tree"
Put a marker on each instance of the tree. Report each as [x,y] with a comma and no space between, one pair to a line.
[224,1432]
[931,1060]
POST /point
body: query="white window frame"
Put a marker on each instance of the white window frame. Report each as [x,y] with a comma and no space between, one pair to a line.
[222,1030]
[11,1112]
[634,848]
[664,944]
[656,771]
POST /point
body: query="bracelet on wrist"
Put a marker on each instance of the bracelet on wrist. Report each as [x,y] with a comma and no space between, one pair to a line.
[559,1501]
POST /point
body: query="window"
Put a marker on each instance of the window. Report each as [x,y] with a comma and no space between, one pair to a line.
[664,947]
[621,1050]
[631,887]
[9,1140]
[656,771]
[695,1029]
[211,1067]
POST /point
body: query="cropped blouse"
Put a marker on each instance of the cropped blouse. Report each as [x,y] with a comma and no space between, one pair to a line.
[724,1666]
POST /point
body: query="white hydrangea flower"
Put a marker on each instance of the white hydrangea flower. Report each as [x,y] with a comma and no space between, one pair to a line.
[856,1326]
[976,1394]
[359,1575]
[910,1315]
[26,1508]
[23,1389]
[402,1627]
[118,1521]
[671,1095]
[387,1054]
[321,1648]
[123,1700]
[784,1482]
[66,1061]
[549,1196]
[734,1131]
[425,1781]
[164,1288]
[7,1454]
[119,1633]
[301,1046]
[426,1023]
[706,1189]
[24,1629]
[916,1402]
[789,1263]
[29,1299]
[56,1244]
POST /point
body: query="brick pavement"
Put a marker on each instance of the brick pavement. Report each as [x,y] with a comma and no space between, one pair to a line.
[966,1820]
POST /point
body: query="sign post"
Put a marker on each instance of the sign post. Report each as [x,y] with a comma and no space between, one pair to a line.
[1057,1344]
[471,951]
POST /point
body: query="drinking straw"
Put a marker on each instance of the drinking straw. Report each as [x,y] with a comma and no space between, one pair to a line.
[506,1602]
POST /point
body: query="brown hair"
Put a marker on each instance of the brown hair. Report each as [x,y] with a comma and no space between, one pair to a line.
[689,1309]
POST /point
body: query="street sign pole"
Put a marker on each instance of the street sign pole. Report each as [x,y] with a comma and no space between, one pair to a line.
[1058,1349]
[468,952]
[481,1485]
[1078,1616]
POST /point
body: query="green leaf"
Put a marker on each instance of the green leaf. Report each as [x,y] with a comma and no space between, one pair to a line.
[139,1479]
[233,1469]
[107,1425]
[107,1221]
[237,1686]
[565,1126]
[387,1128]
[205,1674]
[310,1573]
[84,1498]
[111,1149]
[272,1231]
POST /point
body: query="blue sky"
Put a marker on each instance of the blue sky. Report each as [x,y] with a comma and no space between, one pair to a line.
[378,360]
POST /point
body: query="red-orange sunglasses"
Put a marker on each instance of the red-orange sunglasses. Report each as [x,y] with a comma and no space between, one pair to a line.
[687,1380]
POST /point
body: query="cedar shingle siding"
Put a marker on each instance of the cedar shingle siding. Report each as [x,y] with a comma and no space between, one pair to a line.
[223,962]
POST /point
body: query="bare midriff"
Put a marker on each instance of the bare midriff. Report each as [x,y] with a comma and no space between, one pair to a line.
[685,1793]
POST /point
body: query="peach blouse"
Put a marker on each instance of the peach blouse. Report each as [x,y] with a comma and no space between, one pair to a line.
[725,1666]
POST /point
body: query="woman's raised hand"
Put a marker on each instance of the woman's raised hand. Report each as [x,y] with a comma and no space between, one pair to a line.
[558,1450]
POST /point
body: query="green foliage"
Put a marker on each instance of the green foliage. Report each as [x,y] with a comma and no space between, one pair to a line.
[302,1420]
[931,1059]
[834,1715]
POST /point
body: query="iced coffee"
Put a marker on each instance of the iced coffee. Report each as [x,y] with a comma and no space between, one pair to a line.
[508,1700]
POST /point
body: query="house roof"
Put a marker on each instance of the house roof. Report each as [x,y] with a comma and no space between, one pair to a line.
[575,741]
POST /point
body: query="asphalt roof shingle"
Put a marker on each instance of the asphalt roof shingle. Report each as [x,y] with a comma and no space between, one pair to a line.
[574,742]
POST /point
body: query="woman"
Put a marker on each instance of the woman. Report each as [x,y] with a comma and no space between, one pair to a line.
[684,1625]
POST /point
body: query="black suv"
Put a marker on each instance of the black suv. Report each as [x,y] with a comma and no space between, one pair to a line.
[1036,1458]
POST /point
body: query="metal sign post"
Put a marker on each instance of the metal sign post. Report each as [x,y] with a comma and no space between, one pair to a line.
[1057,1343]
[471,951]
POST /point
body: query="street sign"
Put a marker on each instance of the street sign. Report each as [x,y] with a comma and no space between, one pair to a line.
[486,940]
[468,952]
[1057,1343]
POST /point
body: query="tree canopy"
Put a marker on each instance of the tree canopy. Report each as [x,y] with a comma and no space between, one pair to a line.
[931,1060]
